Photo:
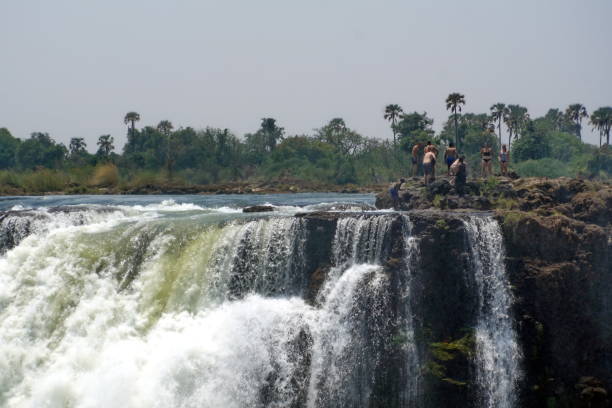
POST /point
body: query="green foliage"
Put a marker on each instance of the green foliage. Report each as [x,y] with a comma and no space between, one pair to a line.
[413,128]
[600,163]
[40,151]
[334,154]
[532,145]
[8,149]
[546,167]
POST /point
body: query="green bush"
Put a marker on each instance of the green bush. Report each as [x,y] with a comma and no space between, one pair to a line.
[546,167]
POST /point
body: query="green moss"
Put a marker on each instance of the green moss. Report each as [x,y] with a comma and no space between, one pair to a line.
[446,351]
[441,224]
[512,218]
[454,382]
[488,186]
[438,201]
[506,203]
[435,369]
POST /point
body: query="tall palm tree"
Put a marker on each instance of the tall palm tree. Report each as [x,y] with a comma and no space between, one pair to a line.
[516,119]
[105,143]
[498,112]
[165,127]
[77,145]
[453,103]
[131,117]
[392,113]
[576,112]
[601,120]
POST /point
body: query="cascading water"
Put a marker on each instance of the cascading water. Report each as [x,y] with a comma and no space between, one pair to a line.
[157,312]
[132,307]
[411,393]
[497,351]
[352,320]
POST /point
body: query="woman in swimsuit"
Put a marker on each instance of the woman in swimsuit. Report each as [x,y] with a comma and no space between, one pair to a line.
[504,158]
[487,155]
[450,155]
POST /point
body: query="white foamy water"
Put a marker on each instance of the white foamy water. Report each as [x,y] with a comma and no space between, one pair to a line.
[498,354]
[114,310]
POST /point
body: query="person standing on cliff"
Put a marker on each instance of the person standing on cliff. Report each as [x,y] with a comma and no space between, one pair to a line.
[430,148]
[459,175]
[486,153]
[429,165]
[450,155]
[415,158]
[504,158]
[394,193]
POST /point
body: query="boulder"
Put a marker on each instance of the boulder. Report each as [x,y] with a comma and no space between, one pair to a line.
[258,208]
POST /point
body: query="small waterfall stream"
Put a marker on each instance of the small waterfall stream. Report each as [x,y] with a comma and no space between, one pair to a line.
[498,354]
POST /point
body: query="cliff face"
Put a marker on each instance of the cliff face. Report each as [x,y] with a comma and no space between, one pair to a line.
[558,241]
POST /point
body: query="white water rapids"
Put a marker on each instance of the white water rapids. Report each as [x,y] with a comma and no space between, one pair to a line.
[119,307]
[114,311]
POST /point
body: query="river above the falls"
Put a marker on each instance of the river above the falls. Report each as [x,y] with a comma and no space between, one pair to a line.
[195,202]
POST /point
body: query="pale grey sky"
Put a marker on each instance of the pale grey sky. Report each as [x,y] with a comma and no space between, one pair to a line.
[73,68]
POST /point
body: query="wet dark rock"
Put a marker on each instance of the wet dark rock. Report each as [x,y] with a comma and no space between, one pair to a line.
[258,208]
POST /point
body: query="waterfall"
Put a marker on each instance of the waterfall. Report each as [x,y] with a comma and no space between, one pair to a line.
[115,310]
[352,322]
[125,307]
[411,393]
[360,239]
[497,351]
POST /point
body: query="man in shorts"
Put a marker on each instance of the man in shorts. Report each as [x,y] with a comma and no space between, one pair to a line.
[429,166]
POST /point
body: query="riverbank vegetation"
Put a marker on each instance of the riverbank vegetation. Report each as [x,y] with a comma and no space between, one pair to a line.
[166,157]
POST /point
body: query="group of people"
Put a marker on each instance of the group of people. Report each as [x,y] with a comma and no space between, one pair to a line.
[457,168]
[486,154]
[452,159]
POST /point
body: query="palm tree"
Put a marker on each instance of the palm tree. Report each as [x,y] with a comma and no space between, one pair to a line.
[392,113]
[77,145]
[165,127]
[576,112]
[498,112]
[516,119]
[601,120]
[131,117]
[453,103]
[105,143]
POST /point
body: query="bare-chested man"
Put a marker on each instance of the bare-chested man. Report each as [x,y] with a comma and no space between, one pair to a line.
[415,158]
[430,148]
[450,155]
[429,166]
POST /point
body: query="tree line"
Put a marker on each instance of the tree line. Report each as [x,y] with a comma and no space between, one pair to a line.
[550,145]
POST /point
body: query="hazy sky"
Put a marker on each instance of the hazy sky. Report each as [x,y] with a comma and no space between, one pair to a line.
[73,68]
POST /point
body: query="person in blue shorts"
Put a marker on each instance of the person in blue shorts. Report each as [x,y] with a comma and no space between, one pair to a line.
[450,155]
